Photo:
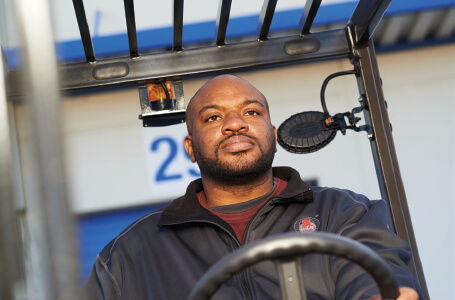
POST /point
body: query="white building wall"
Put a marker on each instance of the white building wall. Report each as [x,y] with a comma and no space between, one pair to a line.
[110,164]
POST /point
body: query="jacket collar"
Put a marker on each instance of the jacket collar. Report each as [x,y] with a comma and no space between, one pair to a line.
[187,208]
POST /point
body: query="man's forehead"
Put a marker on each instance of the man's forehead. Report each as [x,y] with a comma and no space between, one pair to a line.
[228,103]
[224,88]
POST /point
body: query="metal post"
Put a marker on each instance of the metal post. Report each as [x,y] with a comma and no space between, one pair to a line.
[11,267]
[385,158]
[50,249]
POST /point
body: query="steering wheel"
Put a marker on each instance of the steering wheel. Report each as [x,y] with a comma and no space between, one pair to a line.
[284,249]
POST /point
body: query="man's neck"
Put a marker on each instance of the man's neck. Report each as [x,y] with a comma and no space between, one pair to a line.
[225,193]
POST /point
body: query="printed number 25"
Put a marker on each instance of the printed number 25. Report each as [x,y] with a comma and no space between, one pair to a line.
[163,173]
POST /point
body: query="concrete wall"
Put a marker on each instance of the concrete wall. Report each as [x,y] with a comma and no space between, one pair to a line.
[111,162]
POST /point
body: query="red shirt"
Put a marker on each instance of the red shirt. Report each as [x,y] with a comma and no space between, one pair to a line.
[239,221]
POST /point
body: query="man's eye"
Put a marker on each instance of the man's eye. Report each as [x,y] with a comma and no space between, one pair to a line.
[252,113]
[213,118]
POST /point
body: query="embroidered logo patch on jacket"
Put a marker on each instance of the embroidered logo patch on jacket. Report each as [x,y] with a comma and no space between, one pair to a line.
[306,225]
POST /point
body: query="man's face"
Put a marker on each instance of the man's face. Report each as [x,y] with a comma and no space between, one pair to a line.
[231,135]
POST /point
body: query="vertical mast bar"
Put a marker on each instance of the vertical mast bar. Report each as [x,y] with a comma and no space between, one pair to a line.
[265,19]
[224,10]
[131,27]
[49,233]
[385,158]
[309,13]
[178,26]
[84,30]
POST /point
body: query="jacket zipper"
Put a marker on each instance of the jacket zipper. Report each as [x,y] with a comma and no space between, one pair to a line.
[243,279]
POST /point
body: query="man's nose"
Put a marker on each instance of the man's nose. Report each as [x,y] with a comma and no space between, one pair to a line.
[233,123]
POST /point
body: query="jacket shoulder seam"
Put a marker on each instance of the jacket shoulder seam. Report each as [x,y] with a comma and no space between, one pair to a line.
[128,230]
[346,227]
[111,276]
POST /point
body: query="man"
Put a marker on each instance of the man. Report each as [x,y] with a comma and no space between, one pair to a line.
[240,199]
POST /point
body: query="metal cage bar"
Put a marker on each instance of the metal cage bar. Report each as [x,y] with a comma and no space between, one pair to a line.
[177,39]
[265,19]
[84,30]
[131,27]
[251,54]
[224,10]
[309,13]
[236,56]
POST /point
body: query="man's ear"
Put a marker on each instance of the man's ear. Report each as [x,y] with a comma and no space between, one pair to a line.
[188,143]
[276,137]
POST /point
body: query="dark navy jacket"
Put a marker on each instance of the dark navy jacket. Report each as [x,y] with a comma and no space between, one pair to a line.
[163,254]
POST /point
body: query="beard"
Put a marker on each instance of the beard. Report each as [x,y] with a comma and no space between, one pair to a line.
[237,170]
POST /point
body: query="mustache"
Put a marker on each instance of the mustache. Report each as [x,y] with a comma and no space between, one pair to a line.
[255,139]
